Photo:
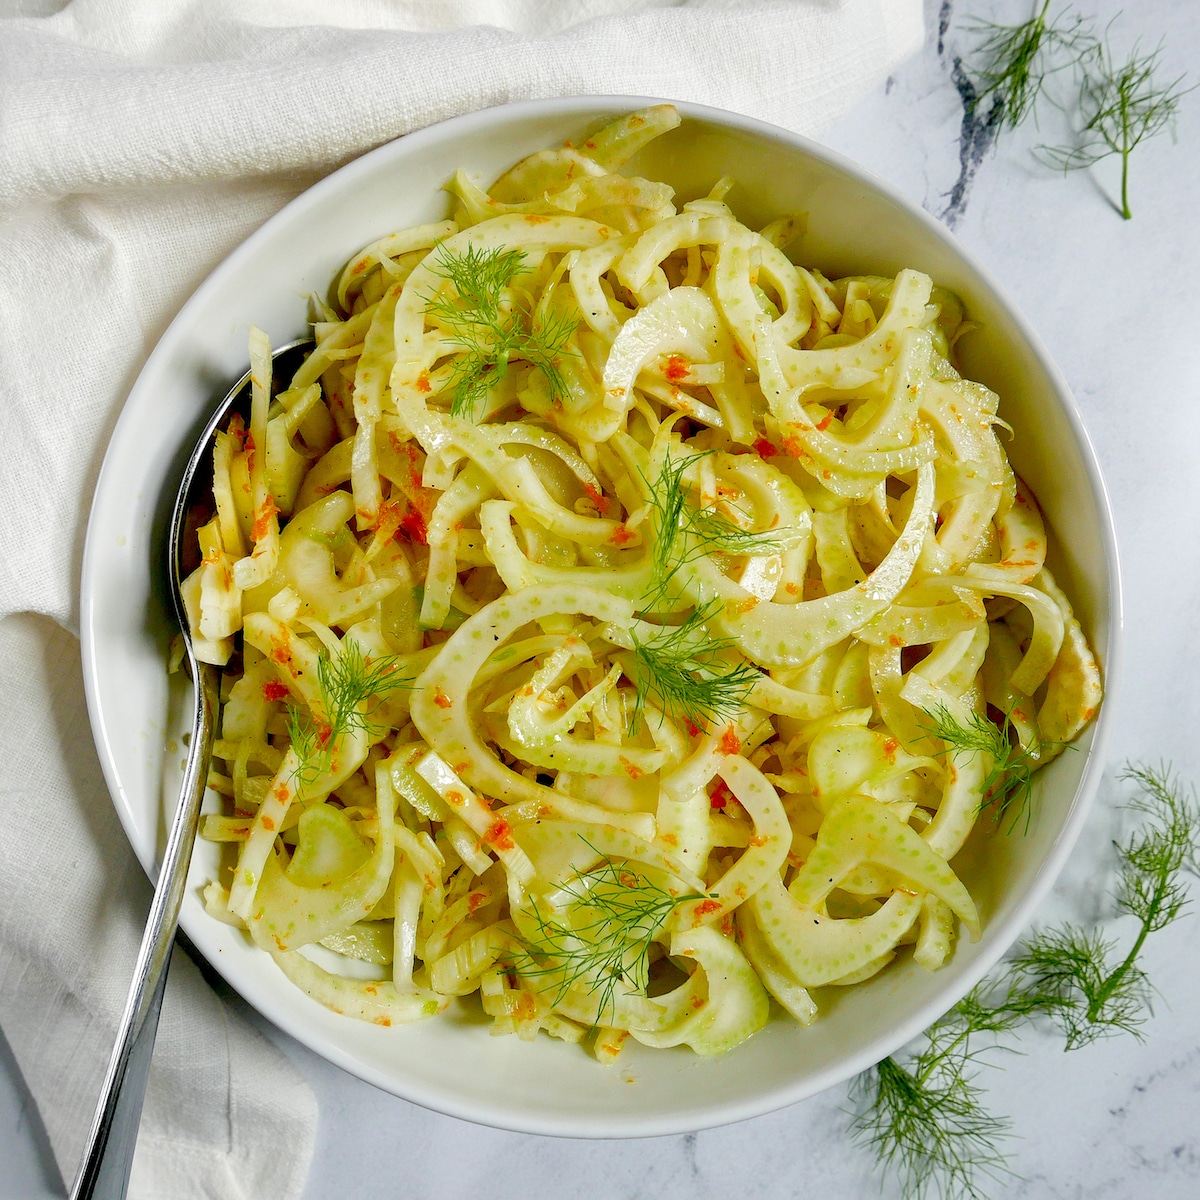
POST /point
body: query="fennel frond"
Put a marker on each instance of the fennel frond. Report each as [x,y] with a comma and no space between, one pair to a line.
[1074,975]
[351,687]
[927,1121]
[1013,61]
[599,940]
[1008,778]
[1121,104]
[688,672]
[485,316]
[925,1118]
[682,531]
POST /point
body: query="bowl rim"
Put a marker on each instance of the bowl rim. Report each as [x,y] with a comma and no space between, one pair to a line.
[1001,936]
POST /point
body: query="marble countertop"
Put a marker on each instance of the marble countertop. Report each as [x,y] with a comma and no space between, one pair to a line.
[1111,300]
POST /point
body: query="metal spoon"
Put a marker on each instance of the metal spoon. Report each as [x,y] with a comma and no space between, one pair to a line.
[108,1154]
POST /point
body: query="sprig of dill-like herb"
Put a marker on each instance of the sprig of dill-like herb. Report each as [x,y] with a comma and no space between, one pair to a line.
[926,1119]
[310,742]
[1121,104]
[1008,778]
[669,505]
[686,670]
[1013,61]
[488,321]
[348,682]
[717,534]
[682,531]
[1076,976]
[601,938]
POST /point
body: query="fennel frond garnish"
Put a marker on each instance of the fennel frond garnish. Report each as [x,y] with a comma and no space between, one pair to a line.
[685,668]
[1075,975]
[927,1121]
[682,532]
[1014,60]
[687,672]
[925,1118]
[1121,104]
[351,687]
[487,318]
[600,939]
[1008,778]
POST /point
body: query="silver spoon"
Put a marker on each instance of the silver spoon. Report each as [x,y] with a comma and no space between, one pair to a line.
[108,1154]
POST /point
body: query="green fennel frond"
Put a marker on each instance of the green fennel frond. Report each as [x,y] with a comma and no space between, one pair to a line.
[717,534]
[1009,766]
[1014,61]
[349,682]
[1154,860]
[599,939]
[1121,104]
[669,505]
[309,741]
[687,671]
[926,1118]
[682,531]
[351,687]
[486,317]
[1067,974]
[550,332]
[480,278]
[1074,975]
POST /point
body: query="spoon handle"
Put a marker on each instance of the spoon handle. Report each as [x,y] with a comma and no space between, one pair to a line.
[108,1156]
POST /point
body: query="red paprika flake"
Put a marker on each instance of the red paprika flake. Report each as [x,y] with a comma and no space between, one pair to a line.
[598,498]
[274,690]
[499,835]
[676,368]
[721,795]
[765,448]
[413,528]
[262,519]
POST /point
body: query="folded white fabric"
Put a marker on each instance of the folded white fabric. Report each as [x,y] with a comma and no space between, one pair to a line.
[140,141]
[226,1115]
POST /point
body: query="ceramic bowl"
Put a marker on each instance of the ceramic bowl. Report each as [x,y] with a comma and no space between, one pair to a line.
[452,1064]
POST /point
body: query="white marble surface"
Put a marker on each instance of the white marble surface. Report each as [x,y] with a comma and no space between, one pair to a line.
[1113,301]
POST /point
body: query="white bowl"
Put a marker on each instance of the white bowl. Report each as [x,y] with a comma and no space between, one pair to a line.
[855,224]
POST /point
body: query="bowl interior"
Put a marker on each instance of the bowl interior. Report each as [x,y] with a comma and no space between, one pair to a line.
[453,1064]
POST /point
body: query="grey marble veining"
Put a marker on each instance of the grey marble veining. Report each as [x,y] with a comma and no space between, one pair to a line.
[1114,302]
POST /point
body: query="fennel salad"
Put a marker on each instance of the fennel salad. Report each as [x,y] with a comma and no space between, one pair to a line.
[620,621]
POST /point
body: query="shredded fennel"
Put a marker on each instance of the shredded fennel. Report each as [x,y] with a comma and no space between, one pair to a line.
[587,658]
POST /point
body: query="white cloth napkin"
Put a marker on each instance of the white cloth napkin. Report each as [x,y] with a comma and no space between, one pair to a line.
[140,141]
